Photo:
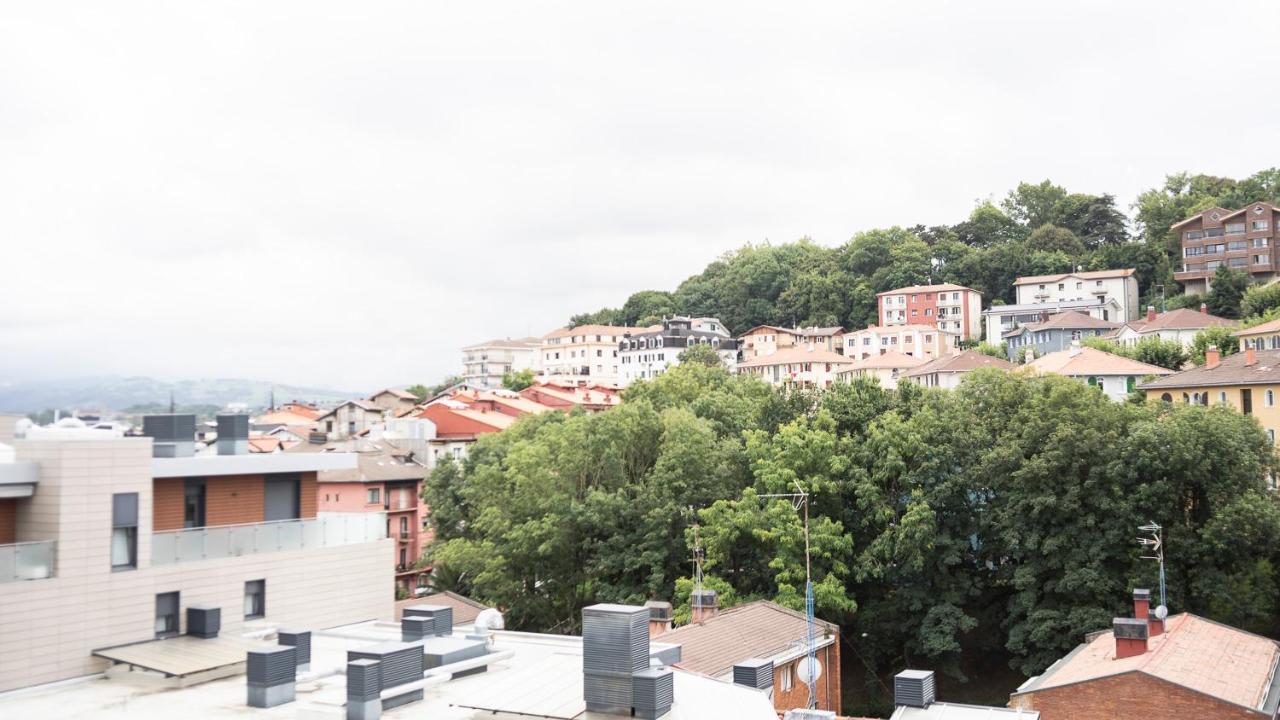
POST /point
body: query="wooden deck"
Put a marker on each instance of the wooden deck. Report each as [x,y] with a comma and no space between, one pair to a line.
[183,655]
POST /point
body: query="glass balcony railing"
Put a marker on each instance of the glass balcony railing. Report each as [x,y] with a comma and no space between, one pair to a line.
[26,561]
[211,543]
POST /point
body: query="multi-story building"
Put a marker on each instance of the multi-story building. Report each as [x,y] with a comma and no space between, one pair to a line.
[923,341]
[583,354]
[1110,295]
[1240,239]
[797,367]
[764,340]
[826,338]
[484,364]
[112,539]
[1248,381]
[1261,337]
[349,419]
[1052,333]
[954,308]
[646,355]
[393,401]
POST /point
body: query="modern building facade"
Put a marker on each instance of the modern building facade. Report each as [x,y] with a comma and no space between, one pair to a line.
[1241,239]
[954,308]
[484,364]
[584,354]
[1120,286]
[923,341]
[646,355]
[119,536]
[1053,333]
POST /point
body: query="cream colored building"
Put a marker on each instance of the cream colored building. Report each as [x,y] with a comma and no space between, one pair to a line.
[885,367]
[923,341]
[87,569]
[797,367]
[484,364]
[584,354]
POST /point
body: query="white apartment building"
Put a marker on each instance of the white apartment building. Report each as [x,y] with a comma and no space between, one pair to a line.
[648,354]
[953,308]
[1102,286]
[584,354]
[110,540]
[798,367]
[484,364]
[924,341]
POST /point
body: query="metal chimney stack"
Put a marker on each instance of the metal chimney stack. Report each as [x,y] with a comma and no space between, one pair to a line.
[615,646]
[233,434]
[172,436]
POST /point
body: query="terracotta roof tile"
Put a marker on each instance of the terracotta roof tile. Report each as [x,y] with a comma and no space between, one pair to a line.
[890,359]
[942,287]
[1231,370]
[797,355]
[1091,361]
[1263,329]
[759,629]
[967,361]
[1088,275]
[1180,319]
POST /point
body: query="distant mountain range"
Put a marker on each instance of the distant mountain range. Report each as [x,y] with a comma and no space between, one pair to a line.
[118,393]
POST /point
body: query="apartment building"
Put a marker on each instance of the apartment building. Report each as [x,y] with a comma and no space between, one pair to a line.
[484,364]
[885,367]
[797,367]
[648,354]
[1240,239]
[764,340]
[583,354]
[1110,295]
[351,418]
[922,341]
[1248,381]
[953,308]
[113,539]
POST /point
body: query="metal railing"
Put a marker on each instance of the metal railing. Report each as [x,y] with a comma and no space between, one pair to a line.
[27,561]
[209,543]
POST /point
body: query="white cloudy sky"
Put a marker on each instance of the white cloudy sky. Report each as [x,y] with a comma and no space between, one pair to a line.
[345,193]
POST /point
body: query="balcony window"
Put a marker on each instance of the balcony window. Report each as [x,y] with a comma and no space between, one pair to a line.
[1238,262]
[255,599]
[1260,225]
[1261,259]
[1235,228]
[1195,235]
[167,614]
[1213,232]
[124,531]
[1237,245]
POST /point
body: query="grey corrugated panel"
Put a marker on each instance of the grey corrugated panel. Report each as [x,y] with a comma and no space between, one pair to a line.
[442,615]
[754,672]
[401,662]
[364,679]
[232,427]
[300,641]
[416,627]
[607,693]
[652,689]
[615,638]
[439,651]
[271,666]
[914,688]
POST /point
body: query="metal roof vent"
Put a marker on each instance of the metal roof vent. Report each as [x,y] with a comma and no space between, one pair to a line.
[203,622]
[315,437]
[364,689]
[416,627]
[659,610]
[914,688]
[233,434]
[754,673]
[300,641]
[172,435]
[439,651]
[441,616]
[652,692]
[400,663]
[271,673]
[615,646]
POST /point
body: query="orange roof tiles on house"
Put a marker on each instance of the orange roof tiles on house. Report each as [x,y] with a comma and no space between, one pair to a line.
[794,355]
[1265,328]
[265,444]
[821,331]
[1194,653]
[1180,319]
[1087,275]
[397,393]
[465,610]
[1085,360]
[520,343]
[592,330]
[941,287]
[759,629]
[284,417]
[775,328]
[967,361]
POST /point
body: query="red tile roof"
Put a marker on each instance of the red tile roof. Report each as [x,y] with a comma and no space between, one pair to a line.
[967,361]
[793,355]
[942,287]
[759,629]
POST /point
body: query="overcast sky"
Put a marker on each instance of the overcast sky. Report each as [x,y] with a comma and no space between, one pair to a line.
[343,194]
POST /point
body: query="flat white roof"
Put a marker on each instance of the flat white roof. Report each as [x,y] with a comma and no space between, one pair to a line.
[250,463]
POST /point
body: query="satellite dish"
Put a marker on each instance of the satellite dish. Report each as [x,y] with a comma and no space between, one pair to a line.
[1162,612]
[802,670]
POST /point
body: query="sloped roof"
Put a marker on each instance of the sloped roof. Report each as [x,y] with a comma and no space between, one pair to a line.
[1091,361]
[1087,275]
[821,331]
[1265,328]
[898,328]
[376,460]
[1195,653]
[592,330]
[1250,206]
[891,360]
[519,343]
[759,629]
[1066,320]
[775,328]
[1199,215]
[1231,370]
[284,417]
[796,355]
[465,609]
[941,287]
[400,394]
[1180,319]
[967,361]
[365,405]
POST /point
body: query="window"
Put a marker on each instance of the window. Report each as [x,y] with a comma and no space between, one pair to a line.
[1271,435]
[1235,228]
[929,311]
[373,496]
[124,531]
[1269,398]
[1166,397]
[1261,259]
[1079,286]
[255,599]
[914,312]
[1222,397]
[193,502]
[167,614]
[404,528]
[787,674]
[1260,242]
[1237,245]
[1259,224]
[1062,286]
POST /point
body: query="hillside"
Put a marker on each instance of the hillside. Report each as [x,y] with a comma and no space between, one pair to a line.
[117,393]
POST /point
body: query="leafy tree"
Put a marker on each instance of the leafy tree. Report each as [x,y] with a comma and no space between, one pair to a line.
[422,392]
[518,380]
[700,354]
[1033,205]
[1051,238]
[1227,291]
[603,316]
[997,351]
[1168,354]
[987,226]
[1260,299]
[1217,336]
[1093,218]
[647,307]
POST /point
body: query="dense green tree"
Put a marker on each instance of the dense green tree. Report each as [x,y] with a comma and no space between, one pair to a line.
[647,307]
[1033,205]
[1219,337]
[517,380]
[1227,291]
[1259,299]
[987,226]
[1093,218]
[701,354]
[1051,238]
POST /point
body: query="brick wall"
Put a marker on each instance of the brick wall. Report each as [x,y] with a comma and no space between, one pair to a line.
[167,499]
[234,499]
[8,521]
[828,687]
[1131,695]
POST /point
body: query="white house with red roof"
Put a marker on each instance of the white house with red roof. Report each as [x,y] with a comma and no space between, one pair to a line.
[1181,325]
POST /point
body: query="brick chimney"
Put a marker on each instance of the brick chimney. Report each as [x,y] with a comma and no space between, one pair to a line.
[659,617]
[1151,313]
[1142,611]
[1131,637]
[1212,358]
[1204,309]
[1250,355]
[704,605]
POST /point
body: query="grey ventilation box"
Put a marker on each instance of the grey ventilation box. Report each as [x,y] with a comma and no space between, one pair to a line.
[807,714]
[615,646]
[914,688]
[271,674]
[659,610]
[703,599]
[203,622]
[364,689]
[171,435]
[233,434]
[442,615]
[416,627]
[1130,628]
[400,663]
[300,641]
[438,651]
[652,692]
[754,673]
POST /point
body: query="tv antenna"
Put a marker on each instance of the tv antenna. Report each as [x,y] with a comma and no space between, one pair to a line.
[1155,544]
[800,501]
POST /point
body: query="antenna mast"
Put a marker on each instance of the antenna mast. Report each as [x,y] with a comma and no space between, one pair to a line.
[1155,544]
[800,500]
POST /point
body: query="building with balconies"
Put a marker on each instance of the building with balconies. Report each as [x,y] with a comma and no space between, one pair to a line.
[1240,239]
[484,364]
[584,354]
[648,354]
[112,539]
[953,308]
